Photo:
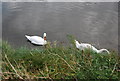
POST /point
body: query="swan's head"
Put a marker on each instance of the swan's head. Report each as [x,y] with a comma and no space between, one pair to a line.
[44,36]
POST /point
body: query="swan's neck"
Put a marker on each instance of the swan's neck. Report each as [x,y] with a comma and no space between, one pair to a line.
[102,50]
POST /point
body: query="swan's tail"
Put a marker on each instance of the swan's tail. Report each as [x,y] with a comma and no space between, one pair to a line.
[77,44]
[102,50]
[28,37]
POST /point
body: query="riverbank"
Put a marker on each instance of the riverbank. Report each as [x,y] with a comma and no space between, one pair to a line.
[57,62]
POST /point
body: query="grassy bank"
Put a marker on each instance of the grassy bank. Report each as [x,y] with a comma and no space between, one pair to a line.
[57,62]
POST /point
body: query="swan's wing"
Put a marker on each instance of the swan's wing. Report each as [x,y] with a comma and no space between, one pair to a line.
[84,46]
[36,40]
[91,47]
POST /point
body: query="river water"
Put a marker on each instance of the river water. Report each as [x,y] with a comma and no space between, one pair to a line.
[94,23]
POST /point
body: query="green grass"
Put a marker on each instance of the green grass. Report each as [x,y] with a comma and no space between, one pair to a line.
[57,62]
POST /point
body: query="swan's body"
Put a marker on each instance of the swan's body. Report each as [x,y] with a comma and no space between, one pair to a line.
[83,46]
[37,40]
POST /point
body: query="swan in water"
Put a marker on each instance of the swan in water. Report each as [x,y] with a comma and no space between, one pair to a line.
[83,46]
[37,40]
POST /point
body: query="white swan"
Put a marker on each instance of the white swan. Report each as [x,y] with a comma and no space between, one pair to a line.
[83,46]
[37,40]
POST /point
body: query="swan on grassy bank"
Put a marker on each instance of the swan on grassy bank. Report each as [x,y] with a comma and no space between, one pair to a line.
[83,46]
[37,40]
